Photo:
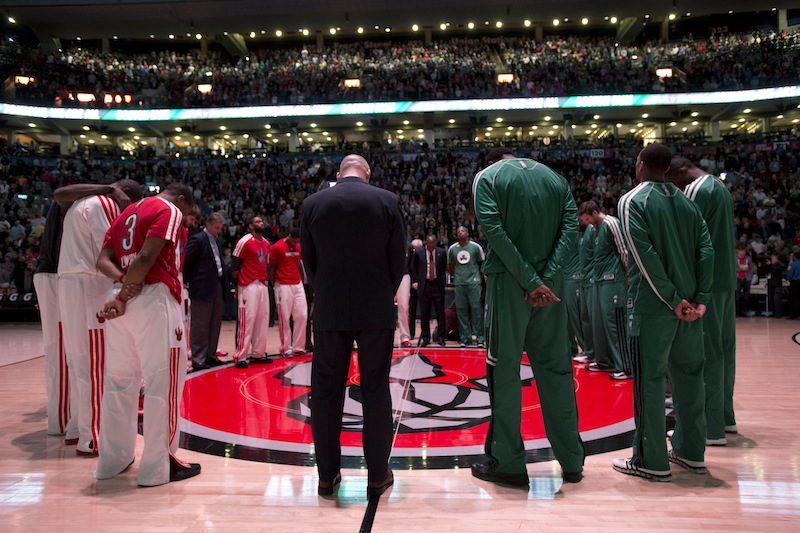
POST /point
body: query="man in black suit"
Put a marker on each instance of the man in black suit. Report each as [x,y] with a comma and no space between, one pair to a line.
[352,240]
[427,276]
[204,274]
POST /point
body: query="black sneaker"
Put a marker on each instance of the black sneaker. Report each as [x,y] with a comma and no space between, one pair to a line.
[179,473]
[242,364]
[695,467]
[571,477]
[486,471]
[261,360]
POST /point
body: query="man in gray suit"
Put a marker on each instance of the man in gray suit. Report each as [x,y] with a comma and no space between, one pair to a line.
[352,240]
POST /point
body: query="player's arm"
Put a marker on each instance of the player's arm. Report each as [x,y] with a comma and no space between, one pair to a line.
[69,194]
[107,265]
[637,237]
[704,253]
[488,214]
[568,233]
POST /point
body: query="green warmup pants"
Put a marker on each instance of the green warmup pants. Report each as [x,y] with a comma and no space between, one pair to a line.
[468,300]
[666,344]
[572,300]
[611,334]
[514,325]
[719,342]
[587,301]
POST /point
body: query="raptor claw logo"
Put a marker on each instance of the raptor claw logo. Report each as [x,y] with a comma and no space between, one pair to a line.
[100,317]
[178,333]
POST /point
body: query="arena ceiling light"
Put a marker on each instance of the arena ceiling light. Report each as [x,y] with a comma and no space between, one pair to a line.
[313,125]
[223,128]
[779,117]
[268,126]
[85,128]
[415,27]
[673,124]
[12,20]
[252,35]
[527,23]
[596,117]
[359,123]
[387,29]
[671,16]
[499,24]
[748,110]
[442,26]
[278,33]
[452,121]
[499,119]
[613,20]
[406,123]
[360,29]
[471,25]
[695,113]
[171,35]
[556,22]
[31,125]
[131,129]
[619,124]
[305,32]
[645,115]
[547,118]
[198,36]
[584,21]
[332,31]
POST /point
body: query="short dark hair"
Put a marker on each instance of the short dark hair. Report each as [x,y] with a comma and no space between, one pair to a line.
[180,189]
[295,233]
[656,156]
[496,154]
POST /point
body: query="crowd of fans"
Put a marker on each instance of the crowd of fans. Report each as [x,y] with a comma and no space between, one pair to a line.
[435,188]
[408,70]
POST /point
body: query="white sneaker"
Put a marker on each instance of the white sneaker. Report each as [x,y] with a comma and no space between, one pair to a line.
[717,442]
[695,467]
[626,467]
[581,359]
[668,403]
[670,433]
[731,429]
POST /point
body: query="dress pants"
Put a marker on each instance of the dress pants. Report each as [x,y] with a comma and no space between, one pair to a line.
[205,324]
[332,354]
[433,293]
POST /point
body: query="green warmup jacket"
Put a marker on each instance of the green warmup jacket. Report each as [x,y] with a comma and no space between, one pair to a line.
[586,254]
[669,243]
[572,270]
[534,244]
[610,254]
[716,206]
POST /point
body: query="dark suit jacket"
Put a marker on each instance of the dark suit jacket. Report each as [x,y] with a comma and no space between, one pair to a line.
[352,239]
[419,267]
[200,269]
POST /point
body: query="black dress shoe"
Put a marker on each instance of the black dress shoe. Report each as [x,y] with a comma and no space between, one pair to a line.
[424,343]
[326,488]
[197,368]
[261,360]
[376,488]
[178,473]
[442,342]
[486,471]
[212,362]
[572,477]
[242,364]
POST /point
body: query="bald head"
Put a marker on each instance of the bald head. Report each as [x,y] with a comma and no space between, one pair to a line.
[354,165]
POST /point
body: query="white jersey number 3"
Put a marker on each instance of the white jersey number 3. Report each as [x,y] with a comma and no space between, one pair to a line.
[130,224]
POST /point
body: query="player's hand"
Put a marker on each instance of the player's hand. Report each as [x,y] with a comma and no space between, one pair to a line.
[685,311]
[414,286]
[542,296]
[113,309]
[129,290]
[119,196]
[699,310]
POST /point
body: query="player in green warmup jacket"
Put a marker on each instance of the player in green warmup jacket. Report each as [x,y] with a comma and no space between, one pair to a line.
[669,287]
[464,259]
[586,260]
[610,272]
[719,323]
[528,215]
[572,300]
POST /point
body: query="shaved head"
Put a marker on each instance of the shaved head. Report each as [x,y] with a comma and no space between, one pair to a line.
[354,165]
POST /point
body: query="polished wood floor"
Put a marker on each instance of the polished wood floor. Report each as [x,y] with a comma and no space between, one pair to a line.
[754,482]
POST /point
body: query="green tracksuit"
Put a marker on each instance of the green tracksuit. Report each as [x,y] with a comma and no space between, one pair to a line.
[529,217]
[586,259]
[669,243]
[719,322]
[610,262]
[572,299]
[466,261]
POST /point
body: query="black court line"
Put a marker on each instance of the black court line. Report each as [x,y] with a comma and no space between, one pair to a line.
[369,514]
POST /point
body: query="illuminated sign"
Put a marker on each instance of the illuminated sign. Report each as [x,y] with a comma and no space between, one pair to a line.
[384,108]
[352,83]
[505,78]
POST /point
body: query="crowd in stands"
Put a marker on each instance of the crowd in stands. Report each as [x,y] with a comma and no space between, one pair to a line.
[435,188]
[408,70]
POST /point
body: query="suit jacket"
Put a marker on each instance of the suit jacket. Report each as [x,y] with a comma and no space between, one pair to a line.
[419,267]
[200,269]
[352,239]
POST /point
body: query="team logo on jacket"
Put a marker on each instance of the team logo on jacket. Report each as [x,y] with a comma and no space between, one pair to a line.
[178,333]
[463,257]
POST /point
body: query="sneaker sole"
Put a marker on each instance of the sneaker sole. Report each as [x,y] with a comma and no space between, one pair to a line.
[699,470]
[645,475]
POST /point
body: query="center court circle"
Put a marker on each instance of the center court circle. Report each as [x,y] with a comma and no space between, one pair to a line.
[440,402]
